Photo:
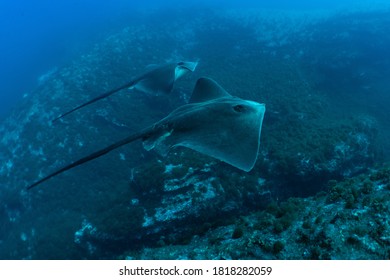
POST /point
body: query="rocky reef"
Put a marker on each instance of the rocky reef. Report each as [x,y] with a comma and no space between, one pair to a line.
[349,220]
[318,191]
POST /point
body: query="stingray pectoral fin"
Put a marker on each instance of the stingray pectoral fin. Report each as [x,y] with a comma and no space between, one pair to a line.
[184,67]
[155,86]
[230,131]
[92,156]
[190,65]
[158,80]
[207,89]
[104,95]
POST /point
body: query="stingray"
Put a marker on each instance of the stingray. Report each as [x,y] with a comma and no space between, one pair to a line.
[213,123]
[156,79]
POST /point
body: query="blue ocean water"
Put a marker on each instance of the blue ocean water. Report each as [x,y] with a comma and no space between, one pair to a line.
[38,36]
[321,68]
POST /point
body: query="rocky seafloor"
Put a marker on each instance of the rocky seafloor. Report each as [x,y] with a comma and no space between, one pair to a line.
[347,221]
[319,189]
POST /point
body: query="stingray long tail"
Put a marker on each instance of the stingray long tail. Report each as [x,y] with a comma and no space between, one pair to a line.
[104,95]
[92,156]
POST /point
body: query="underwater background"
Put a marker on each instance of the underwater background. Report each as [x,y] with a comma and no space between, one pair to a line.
[320,188]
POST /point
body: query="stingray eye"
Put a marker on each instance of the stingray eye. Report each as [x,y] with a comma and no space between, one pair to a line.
[239,108]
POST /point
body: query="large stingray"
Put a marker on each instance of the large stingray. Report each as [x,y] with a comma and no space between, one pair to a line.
[213,123]
[155,80]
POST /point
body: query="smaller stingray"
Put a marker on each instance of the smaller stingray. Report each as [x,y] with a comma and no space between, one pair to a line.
[214,123]
[156,79]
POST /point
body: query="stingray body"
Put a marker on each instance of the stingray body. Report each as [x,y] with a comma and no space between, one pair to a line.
[156,79]
[214,123]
